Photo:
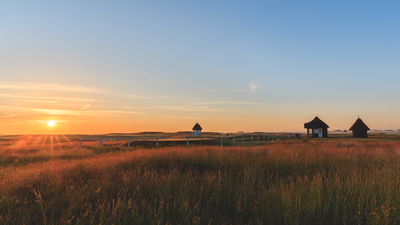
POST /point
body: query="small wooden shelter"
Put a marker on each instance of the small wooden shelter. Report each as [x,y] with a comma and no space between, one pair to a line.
[197,129]
[360,129]
[317,128]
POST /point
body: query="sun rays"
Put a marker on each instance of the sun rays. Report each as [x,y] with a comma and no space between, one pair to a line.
[46,142]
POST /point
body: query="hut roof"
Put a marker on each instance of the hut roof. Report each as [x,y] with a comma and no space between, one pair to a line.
[316,123]
[197,127]
[359,125]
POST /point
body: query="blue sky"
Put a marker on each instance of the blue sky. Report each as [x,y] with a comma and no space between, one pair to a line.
[232,65]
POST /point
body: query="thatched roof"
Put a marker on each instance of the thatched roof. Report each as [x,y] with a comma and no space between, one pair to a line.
[316,123]
[359,125]
[197,127]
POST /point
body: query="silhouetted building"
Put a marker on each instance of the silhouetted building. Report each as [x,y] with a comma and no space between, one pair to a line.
[197,129]
[316,128]
[360,129]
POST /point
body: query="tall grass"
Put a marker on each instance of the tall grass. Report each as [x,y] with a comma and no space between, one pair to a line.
[293,182]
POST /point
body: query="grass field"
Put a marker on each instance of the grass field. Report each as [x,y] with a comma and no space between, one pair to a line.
[332,181]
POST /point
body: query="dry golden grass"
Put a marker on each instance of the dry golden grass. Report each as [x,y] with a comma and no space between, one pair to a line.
[333,181]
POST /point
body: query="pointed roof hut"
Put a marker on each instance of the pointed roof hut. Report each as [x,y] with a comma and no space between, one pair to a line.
[197,129]
[317,128]
[359,129]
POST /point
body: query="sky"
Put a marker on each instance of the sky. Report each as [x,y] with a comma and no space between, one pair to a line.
[131,66]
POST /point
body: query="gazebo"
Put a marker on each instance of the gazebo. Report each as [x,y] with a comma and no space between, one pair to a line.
[197,129]
[360,129]
[317,128]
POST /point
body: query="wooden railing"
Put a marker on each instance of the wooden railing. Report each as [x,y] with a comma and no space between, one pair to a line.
[157,140]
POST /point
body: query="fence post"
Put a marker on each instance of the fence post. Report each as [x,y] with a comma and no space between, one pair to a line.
[222,142]
[187,141]
[129,143]
[156,141]
[101,142]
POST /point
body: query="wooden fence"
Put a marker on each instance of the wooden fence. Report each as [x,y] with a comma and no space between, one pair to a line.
[156,140]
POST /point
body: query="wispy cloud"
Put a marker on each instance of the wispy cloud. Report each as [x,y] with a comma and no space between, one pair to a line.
[43,98]
[55,88]
[86,112]
[30,122]
[56,111]
[37,101]
[46,121]
[253,86]
[49,87]
[6,115]
[183,117]
[226,103]
[133,96]
[71,112]
[53,100]
[120,112]
[87,106]
[190,108]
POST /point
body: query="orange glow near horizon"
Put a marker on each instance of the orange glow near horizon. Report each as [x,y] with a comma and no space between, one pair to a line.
[34,108]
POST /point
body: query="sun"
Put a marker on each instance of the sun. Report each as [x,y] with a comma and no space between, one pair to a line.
[51,123]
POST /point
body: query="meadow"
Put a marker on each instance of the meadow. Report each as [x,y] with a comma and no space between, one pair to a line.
[294,182]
